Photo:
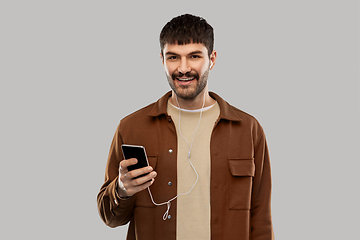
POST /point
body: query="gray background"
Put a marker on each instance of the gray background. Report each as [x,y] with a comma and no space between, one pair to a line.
[70,70]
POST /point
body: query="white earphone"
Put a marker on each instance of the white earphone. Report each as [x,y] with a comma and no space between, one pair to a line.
[168,203]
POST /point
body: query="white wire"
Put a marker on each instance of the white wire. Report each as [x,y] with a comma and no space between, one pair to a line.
[168,203]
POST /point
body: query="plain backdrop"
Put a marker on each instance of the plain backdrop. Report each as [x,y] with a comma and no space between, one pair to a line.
[70,70]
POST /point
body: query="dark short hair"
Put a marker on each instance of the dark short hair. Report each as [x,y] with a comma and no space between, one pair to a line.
[186,29]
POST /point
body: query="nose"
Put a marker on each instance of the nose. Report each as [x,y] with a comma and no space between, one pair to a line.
[184,66]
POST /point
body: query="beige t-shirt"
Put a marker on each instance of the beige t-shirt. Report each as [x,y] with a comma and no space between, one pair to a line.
[193,209]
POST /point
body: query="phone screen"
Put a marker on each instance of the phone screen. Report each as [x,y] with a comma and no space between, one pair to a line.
[138,152]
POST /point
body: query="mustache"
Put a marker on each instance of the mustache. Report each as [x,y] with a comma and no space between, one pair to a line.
[191,74]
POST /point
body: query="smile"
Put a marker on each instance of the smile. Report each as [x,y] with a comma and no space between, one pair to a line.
[185,79]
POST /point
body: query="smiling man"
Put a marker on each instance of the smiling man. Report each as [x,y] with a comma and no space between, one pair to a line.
[209,175]
[187,69]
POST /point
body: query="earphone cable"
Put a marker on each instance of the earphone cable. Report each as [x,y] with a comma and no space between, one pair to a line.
[168,203]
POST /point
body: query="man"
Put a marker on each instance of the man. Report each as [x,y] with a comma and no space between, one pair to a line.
[209,174]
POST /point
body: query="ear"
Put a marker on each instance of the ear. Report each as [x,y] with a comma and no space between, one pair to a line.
[162,58]
[213,57]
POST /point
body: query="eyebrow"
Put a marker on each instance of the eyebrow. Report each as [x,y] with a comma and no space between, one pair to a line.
[192,53]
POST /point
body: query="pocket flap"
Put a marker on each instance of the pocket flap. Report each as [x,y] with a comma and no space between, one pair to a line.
[152,161]
[242,167]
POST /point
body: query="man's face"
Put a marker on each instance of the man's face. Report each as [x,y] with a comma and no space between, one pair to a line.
[187,68]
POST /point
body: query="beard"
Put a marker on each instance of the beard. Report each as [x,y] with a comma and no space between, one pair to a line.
[188,92]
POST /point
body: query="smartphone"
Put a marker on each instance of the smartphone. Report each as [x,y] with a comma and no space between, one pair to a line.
[138,152]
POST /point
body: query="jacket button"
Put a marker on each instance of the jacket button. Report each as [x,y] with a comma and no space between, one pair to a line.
[169,119]
[216,185]
[170,150]
[169,217]
[170,183]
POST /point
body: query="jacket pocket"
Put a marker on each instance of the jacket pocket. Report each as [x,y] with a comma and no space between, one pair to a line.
[242,173]
[142,199]
[152,161]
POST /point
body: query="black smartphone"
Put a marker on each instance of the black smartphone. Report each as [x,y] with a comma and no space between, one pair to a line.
[138,152]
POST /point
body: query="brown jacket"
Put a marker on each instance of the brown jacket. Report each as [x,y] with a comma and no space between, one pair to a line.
[240,176]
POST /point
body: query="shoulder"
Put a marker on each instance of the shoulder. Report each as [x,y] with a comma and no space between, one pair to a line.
[245,117]
[232,113]
[242,114]
[139,115]
[136,124]
[248,121]
[154,109]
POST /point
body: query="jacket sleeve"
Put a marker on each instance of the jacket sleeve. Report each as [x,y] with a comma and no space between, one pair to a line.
[113,210]
[261,220]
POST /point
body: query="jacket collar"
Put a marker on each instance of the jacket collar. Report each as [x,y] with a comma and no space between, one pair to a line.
[226,110]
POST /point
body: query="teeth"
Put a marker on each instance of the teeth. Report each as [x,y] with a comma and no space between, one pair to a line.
[185,79]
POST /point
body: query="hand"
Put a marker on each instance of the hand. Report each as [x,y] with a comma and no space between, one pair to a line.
[128,186]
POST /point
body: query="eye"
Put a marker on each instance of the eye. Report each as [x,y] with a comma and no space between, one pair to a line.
[172,57]
[195,56]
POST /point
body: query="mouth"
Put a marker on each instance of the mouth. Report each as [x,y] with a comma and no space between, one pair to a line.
[185,79]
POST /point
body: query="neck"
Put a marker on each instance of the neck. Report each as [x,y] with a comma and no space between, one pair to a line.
[195,103]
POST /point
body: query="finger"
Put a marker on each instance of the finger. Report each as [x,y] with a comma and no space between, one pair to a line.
[141,180]
[133,183]
[130,179]
[125,163]
[131,191]
[137,172]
